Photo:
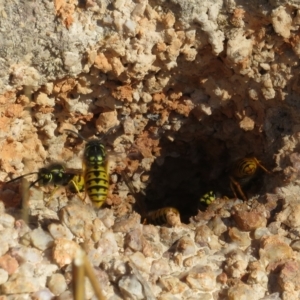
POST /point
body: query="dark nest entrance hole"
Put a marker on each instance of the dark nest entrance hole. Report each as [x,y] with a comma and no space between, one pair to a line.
[196,161]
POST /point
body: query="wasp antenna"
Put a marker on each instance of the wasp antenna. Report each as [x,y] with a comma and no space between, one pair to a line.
[109,131]
[22,176]
[33,183]
[76,133]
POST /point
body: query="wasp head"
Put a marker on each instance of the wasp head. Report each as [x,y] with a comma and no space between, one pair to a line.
[94,152]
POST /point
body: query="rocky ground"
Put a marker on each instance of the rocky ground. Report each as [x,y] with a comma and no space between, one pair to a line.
[177,91]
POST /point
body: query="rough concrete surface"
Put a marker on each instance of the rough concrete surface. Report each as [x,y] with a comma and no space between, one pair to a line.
[178,91]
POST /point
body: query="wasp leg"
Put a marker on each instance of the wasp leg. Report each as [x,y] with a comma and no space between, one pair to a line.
[52,193]
[108,165]
[238,187]
[261,166]
[84,178]
[77,189]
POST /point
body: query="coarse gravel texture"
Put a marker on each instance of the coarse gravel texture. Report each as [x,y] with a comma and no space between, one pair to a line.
[177,91]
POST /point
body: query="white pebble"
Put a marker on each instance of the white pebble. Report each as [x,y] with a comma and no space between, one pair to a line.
[43,294]
[129,27]
[20,284]
[131,288]
[7,221]
[3,248]
[57,284]
[41,239]
[67,295]
[59,231]
[30,255]
[3,276]
[46,270]
[261,232]
[10,236]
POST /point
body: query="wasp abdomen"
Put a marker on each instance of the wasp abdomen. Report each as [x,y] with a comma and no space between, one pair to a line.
[96,181]
[165,215]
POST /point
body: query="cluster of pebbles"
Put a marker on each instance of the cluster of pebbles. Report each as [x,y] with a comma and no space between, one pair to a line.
[204,82]
[233,250]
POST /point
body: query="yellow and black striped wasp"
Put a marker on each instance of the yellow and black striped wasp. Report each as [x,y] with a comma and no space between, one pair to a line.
[164,215]
[95,170]
[208,198]
[242,172]
[57,175]
[161,216]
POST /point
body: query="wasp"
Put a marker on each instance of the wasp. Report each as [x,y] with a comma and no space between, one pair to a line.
[208,198]
[165,215]
[242,172]
[95,170]
[57,175]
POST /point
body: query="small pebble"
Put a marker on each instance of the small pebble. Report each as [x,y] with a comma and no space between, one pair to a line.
[21,284]
[249,220]
[3,248]
[127,224]
[41,239]
[78,218]
[236,263]
[172,284]
[296,245]
[152,249]
[119,267]
[43,294]
[27,254]
[8,263]
[21,227]
[46,269]
[274,296]
[273,249]
[59,231]
[160,267]
[186,246]
[10,236]
[290,215]
[3,276]
[107,245]
[67,295]
[217,225]
[140,262]
[260,232]
[7,221]
[242,239]
[290,273]
[169,296]
[133,239]
[131,288]
[64,251]
[57,284]
[201,278]
[107,217]
[243,291]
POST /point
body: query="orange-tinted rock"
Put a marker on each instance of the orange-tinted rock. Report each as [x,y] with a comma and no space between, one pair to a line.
[64,251]
[9,263]
[290,273]
[249,220]
[274,249]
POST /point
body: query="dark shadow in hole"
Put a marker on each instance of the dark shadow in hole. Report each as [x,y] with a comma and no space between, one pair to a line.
[197,163]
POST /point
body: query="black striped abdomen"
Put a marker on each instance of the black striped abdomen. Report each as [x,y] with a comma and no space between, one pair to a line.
[160,216]
[245,167]
[96,183]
